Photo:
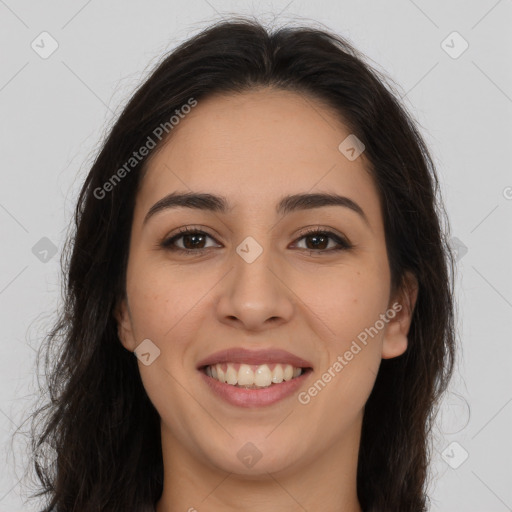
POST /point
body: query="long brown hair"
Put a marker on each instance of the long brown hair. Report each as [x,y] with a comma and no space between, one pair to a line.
[87,456]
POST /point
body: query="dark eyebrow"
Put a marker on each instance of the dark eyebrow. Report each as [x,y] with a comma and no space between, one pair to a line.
[219,204]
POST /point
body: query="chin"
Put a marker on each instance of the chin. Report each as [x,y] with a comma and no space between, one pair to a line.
[253,458]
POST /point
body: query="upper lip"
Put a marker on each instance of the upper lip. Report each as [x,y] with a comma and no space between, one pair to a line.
[262,356]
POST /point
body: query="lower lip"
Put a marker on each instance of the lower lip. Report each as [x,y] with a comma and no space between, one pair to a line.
[243,397]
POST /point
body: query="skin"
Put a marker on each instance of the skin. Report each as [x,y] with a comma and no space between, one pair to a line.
[253,148]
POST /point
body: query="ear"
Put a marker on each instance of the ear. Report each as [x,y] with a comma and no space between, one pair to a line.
[395,337]
[124,324]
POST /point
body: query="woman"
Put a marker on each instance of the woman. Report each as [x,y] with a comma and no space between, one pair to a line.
[261,230]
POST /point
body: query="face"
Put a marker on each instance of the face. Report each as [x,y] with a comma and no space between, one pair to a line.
[311,279]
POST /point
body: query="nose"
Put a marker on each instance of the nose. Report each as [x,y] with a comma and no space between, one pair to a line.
[254,295]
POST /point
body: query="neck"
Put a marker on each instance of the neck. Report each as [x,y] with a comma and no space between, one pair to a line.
[325,482]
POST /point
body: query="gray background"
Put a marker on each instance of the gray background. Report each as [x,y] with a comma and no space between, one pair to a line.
[54,112]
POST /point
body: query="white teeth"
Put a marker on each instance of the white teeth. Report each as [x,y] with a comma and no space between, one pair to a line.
[277,374]
[245,375]
[231,376]
[253,376]
[263,376]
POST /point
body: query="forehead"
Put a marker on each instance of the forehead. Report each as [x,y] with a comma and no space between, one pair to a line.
[255,146]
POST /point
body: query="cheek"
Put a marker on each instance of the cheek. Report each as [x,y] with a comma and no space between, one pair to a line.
[163,299]
[346,299]
[351,305]
[164,308]
[349,301]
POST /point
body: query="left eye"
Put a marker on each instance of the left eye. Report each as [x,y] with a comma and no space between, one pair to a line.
[193,241]
[322,238]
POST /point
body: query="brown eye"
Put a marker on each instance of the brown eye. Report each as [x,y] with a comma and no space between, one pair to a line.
[192,240]
[318,241]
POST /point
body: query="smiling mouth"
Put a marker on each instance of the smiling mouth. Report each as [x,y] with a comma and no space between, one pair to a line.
[250,376]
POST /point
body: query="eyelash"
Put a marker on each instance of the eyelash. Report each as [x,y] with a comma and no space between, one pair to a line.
[167,243]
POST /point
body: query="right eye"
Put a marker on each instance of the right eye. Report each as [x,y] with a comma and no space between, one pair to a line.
[192,238]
